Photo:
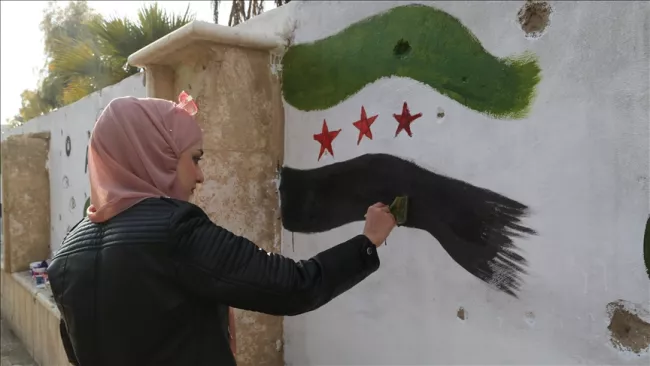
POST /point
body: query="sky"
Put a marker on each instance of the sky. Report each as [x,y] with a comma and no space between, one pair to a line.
[21,44]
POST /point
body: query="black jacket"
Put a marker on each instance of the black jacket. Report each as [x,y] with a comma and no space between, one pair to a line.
[152,285]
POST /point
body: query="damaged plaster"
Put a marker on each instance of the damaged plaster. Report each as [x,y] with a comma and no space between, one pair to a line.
[629,326]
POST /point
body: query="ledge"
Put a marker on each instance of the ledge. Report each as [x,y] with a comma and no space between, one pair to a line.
[34,317]
[156,52]
[43,295]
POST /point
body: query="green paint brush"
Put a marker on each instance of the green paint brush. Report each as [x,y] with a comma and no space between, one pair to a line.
[399,209]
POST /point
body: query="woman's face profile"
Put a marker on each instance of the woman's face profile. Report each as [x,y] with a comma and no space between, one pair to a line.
[189,173]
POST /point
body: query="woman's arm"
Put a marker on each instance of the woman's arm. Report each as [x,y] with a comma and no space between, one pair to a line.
[213,262]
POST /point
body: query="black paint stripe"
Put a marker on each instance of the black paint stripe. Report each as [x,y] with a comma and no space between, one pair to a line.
[475,226]
[646,247]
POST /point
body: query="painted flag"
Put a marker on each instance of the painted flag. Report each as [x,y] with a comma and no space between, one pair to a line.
[375,111]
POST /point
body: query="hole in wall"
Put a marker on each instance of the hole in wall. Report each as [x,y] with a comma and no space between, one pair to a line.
[66,182]
[629,331]
[402,48]
[534,18]
[461,313]
[73,203]
[440,114]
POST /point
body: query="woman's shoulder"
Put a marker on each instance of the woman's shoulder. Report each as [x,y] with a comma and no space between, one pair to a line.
[167,209]
[164,203]
[179,211]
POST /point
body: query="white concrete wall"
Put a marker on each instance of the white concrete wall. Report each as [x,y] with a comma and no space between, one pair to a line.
[69,185]
[579,160]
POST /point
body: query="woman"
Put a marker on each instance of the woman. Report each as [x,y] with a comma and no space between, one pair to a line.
[147,278]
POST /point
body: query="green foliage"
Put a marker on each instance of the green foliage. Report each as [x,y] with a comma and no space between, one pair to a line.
[239,12]
[86,52]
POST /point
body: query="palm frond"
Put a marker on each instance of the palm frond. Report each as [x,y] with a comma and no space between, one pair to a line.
[77,88]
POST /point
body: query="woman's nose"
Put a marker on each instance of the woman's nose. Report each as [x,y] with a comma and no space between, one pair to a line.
[199,177]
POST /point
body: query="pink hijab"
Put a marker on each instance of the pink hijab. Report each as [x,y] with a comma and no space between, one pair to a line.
[134,151]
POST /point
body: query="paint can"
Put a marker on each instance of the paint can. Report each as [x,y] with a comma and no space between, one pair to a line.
[39,273]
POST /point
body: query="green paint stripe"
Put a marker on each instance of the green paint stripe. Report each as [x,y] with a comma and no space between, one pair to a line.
[443,54]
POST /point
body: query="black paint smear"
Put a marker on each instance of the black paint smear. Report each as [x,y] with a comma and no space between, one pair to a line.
[86,167]
[474,225]
[646,247]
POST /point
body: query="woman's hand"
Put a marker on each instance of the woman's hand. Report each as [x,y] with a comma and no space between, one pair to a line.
[379,223]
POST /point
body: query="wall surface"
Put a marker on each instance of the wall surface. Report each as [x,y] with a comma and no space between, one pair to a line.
[240,112]
[70,129]
[545,135]
[26,201]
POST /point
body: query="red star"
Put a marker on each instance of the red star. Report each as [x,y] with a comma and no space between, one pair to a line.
[405,120]
[325,138]
[364,125]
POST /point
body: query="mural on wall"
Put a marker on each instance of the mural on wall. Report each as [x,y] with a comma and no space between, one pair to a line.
[414,41]
[474,225]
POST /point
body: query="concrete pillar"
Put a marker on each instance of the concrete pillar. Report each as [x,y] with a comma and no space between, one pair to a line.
[229,75]
[159,82]
[25,200]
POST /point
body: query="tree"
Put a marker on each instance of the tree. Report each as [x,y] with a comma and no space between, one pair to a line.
[239,12]
[57,22]
[85,52]
[92,64]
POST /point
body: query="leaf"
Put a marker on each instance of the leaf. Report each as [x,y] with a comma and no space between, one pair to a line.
[399,209]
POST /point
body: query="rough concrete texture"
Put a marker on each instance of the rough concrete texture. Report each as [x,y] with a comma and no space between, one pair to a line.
[34,318]
[26,200]
[629,327]
[240,112]
[159,81]
[12,351]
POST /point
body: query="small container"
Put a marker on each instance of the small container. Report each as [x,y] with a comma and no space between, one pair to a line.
[39,273]
[40,277]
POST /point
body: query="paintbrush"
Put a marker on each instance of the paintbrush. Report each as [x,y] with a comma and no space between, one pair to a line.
[399,209]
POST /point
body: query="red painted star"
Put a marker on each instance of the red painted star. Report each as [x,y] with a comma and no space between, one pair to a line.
[405,119]
[364,125]
[325,138]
